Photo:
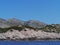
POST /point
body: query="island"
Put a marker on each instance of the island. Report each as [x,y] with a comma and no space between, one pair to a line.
[15,29]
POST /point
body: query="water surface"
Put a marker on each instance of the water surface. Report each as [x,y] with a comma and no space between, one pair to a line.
[29,42]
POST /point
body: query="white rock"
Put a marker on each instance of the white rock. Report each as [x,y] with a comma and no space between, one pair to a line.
[28,33]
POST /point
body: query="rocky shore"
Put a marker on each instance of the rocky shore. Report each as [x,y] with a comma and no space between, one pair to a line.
[28,34]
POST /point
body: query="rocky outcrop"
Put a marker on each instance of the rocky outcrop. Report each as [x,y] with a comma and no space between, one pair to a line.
[28,34]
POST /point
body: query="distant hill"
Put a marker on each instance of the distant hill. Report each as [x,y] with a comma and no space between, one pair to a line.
[35,23]
[16,22]
[15,29]
[4,23]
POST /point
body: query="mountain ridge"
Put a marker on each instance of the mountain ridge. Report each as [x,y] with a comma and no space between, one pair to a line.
[15,22]
[15,29]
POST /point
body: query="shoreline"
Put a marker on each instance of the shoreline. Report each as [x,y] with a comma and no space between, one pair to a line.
[29,40]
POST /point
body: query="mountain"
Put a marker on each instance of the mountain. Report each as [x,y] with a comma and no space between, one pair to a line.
[13,29]
[4,23]
[35,24]
[15,22]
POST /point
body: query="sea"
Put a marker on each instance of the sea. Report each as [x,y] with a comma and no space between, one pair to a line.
[29,42]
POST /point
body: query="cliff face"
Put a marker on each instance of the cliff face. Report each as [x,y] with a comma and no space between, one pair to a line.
[28,34]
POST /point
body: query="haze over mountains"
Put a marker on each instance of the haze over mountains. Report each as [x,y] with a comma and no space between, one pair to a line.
[15,22]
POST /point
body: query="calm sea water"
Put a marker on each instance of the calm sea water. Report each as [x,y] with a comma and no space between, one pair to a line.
[29,42]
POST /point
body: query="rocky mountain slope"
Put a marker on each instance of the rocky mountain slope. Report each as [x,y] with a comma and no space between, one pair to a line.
[15,29]
[17,22]
[35,24]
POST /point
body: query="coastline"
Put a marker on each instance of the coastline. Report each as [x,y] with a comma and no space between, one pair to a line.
[28,35]
[30,40]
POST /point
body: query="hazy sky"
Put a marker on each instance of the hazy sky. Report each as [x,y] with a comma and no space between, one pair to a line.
[47,11]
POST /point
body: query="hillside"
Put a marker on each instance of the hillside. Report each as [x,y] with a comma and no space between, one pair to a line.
[14,23]
[13,28]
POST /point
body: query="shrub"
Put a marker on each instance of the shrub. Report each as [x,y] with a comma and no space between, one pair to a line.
[2,30]
[27,26]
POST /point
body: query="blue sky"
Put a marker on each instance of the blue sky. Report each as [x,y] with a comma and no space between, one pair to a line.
[47,11]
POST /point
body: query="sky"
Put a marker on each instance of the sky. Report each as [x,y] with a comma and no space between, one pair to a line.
[47,11]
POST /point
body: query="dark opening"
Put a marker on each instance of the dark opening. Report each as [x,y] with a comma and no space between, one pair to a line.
[25,30]
[11,30]
[8,38]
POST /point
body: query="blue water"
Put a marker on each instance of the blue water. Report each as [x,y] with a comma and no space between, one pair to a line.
[29,42]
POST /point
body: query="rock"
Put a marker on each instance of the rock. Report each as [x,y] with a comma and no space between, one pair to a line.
[28,33]
[39,34]
[15,34]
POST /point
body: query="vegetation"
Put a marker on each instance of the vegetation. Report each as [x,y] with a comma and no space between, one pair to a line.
[51,28]
[27,26]
[47,28]
[13,27]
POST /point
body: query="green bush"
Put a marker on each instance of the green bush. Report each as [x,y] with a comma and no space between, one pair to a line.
[27,26]
[47,28]
[2,30]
